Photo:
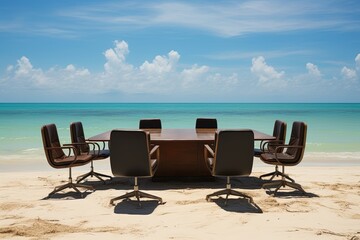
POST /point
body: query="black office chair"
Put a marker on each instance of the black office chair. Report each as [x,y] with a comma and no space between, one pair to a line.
[150,123]
[206,123]
[279,132]
[233,156]
[291,156]
[58,159]
[82,147]
[131,157]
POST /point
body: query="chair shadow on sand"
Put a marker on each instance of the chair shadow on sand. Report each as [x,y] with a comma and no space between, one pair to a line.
[257,183]
[70,195]
[251,182]
[239,205]
[130,206]
[291,194]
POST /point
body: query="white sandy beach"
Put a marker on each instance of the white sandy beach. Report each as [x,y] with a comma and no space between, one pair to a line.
[329,210]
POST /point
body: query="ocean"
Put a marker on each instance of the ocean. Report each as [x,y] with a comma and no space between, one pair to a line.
[333,128]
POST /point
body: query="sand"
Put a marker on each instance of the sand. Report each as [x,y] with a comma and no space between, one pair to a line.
[329,210]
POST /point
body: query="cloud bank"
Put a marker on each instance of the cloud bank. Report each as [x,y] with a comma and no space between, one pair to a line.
[163,78]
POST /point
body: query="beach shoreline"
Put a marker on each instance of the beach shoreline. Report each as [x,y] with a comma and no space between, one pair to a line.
[37,161]
[329,210]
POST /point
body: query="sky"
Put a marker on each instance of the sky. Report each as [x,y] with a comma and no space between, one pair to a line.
[179,51]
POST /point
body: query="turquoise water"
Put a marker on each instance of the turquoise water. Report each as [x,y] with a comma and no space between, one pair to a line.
[332,128]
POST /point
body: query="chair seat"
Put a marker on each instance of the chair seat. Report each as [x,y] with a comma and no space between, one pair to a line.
[102,154]
[80,159]
[257,152]
[283,158]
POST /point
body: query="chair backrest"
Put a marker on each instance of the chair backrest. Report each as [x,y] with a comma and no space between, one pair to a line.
[50,139]
[280,133]
[78,136]
[234,152]
[150,123]
[279,130]
[297,138]
[206,123]
[129,153]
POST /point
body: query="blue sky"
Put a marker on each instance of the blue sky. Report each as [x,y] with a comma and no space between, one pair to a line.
[179,51]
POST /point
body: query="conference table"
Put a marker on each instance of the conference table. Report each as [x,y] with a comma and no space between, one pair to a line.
[181,150]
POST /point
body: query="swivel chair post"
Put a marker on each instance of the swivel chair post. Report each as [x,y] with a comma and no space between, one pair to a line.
[272,174]
[83,147]
[92,173]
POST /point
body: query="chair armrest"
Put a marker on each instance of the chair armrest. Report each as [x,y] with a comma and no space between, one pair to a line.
[262,143]
[283,146]
[155,149]
[65,146]
[265,144]
[68,147]
[207,150]
[288,146]
[103,142]
[95,146]
[96,142]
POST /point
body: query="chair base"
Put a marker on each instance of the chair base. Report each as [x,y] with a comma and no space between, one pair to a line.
[282,183]
[72,185]
[277,173]
[138,194]
[92,173]
[229,192]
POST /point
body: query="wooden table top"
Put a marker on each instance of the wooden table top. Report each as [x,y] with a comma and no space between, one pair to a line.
[181,135]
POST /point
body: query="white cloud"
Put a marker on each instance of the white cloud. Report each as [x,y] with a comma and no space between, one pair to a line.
[193,74]
[352,74]
[313,70]
[161,64]
[266,74]
[116,58]
[159,76]
[24,67]
[25,71]
[162,76]
[76,72]
[24,75]
[70,68]
[219,83]
[348,73]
